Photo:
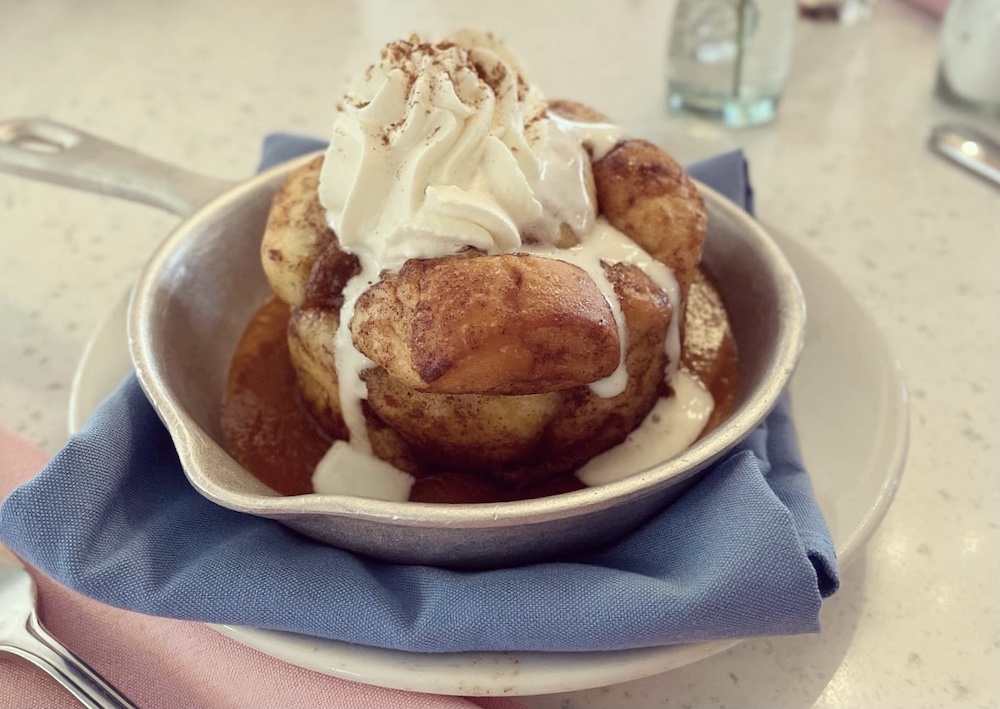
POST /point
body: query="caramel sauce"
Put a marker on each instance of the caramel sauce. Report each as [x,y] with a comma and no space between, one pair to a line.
[709,347]
[265,423]
[270,432]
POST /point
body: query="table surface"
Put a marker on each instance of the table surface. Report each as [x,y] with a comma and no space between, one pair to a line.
[844,170]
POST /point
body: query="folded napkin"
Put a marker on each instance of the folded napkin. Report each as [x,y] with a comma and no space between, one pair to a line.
[744,553]
[161,662]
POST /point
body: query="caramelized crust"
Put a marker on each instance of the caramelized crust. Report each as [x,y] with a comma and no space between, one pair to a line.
[296,234]
[522,441]
[519,441]
[310,347]
[646,195]
[507,324]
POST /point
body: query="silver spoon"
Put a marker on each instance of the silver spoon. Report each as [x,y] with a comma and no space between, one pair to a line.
[22,634]
[970,148]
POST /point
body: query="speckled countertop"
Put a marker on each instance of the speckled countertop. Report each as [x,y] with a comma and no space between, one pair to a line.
[844,171]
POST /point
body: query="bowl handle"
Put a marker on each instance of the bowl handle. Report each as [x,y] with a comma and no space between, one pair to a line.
[52,152]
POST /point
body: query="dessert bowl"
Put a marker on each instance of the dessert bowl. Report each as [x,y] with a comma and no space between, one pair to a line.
[194,298]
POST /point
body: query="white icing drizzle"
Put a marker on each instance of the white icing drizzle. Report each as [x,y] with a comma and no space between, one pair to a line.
[562,185]
[671,427]
[598,138]
[604,243]
[349,361]
[345,470]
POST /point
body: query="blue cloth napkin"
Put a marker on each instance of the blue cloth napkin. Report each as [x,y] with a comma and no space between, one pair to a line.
[746,552]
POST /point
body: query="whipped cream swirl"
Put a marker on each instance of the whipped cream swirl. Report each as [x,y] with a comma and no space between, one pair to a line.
[443,146]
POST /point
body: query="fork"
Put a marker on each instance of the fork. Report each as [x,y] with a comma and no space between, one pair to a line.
[22,634]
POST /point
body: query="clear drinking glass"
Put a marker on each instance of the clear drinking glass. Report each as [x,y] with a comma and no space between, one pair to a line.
[969,71]
[728,59]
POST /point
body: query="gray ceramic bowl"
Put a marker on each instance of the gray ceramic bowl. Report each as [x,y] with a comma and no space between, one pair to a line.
[204,283]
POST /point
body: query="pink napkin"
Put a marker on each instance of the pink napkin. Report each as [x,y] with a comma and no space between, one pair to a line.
[158,662]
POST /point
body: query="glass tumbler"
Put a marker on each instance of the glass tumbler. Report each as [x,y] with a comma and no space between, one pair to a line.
[969,71]
[728,59]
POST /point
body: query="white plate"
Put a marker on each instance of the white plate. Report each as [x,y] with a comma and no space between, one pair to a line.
[851,412]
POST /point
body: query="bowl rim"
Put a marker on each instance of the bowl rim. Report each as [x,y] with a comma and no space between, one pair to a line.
[196,448]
